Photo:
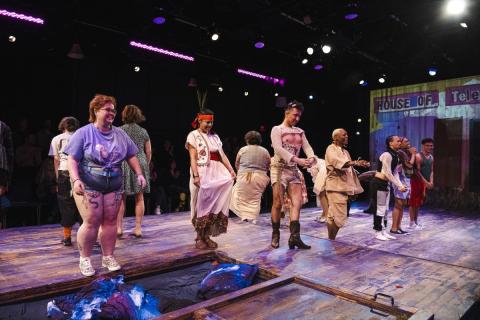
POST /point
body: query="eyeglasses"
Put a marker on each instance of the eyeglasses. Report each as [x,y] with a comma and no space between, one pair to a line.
[112,110]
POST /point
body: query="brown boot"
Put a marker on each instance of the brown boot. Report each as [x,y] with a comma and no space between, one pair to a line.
[200,242]
[295,240]
[275,235]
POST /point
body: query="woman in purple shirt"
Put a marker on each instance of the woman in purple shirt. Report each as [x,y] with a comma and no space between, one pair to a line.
[95,154]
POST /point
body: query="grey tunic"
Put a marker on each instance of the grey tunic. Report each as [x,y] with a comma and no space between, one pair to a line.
[139,135]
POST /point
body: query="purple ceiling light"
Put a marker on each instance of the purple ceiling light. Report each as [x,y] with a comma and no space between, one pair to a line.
[159,20]
[161,51]
[261,76]
[259,44]
[351,11]
[318,67]
[20,16]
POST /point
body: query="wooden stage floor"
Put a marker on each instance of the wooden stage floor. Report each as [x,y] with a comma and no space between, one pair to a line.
[436,269]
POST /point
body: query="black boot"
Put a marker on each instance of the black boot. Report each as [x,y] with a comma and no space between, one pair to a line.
[295,239]
[275,235]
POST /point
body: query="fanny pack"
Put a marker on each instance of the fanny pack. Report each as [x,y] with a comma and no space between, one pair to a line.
[104,172]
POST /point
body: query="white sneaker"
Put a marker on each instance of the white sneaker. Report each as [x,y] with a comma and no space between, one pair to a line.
[157,210]
[86,267]
[379,236]
[110,263]
[386,235]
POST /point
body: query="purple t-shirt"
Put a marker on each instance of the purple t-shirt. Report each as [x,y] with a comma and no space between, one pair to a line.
[91,146]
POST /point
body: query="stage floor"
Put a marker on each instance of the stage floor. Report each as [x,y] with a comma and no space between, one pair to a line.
[436,269]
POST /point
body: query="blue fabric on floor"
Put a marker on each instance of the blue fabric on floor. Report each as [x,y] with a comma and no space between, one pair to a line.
[227,277]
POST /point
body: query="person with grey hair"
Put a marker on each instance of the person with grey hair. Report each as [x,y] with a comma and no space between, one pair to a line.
[252,163]
[66,204]
[342,181]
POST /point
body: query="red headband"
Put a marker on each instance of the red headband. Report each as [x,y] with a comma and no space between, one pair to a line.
[200,117]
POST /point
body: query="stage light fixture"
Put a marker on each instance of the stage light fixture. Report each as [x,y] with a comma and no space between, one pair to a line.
[220,89]
[310,50]
[21,16]
[215,36]
[432,71]
[245,93]
[351,11]
[363,83]
[381,79]
[276,94]
[12,38]
[326,48]
[161,51]
[357,133]
[359,120]
[318,67]
[463,25]
[310,97]
[159,20]
[281,82]
[455,7]
[305,61]
[136,69]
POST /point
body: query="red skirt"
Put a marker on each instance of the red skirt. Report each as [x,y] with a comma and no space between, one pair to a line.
[417,195]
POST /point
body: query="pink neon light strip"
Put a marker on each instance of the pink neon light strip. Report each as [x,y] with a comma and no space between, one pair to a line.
[20,16]
[261,76]
[161,51]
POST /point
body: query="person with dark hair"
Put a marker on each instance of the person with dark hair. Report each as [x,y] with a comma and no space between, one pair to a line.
[387,174]
[252,163]
[406,155]
[342,182]
[131,117]
[211,181]
[95,155]
[422,179]
[68,211]
[287,140]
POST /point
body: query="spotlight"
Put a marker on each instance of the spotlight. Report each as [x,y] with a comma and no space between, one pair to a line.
[463,25]
[318,67]
[215,36]
[357,133]
[455,7]
[432,71]
[310,50]
[305,61]
[363,83]
[12,39]
[381,79]
[326,48]
[351,12]
[245,93]
[136,69]
[276,94]
[220,89]
[159,20]
[359,120]
[259,44]
[310,97]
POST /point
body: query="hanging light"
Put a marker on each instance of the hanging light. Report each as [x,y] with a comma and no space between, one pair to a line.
[76,52]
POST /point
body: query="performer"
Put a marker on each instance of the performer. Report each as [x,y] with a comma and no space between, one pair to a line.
[287,140]
[406,155]
[95,155]
[319,177]
[131,117]
[252,163]
[422,179]
[66,205]
[342,181]
[386,174]
[211,181]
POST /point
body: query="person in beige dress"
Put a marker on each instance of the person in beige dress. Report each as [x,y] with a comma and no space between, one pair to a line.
[252,163]
[342,181]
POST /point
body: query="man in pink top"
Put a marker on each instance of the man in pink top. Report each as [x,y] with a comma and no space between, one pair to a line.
[287,140]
